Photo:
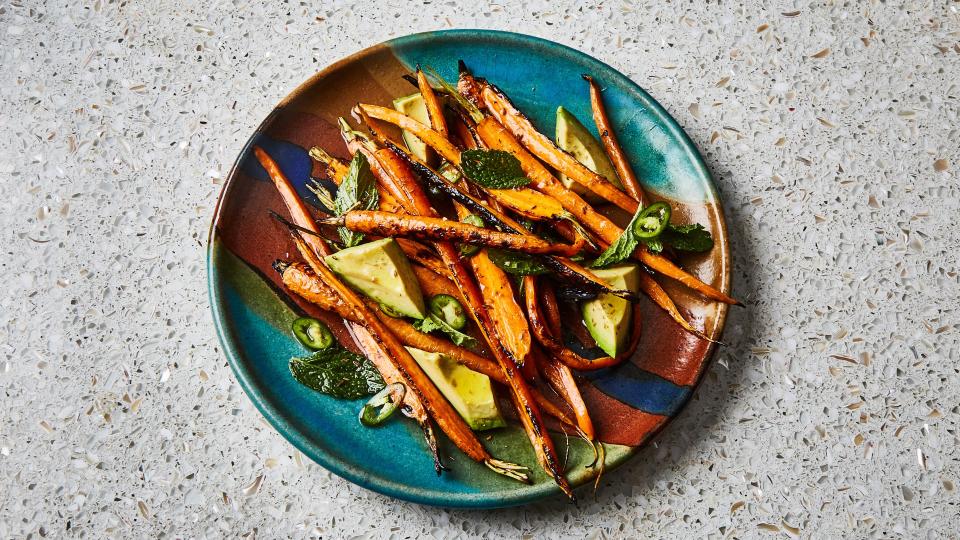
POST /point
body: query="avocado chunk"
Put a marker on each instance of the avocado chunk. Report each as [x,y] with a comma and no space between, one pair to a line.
[608,317]
[414,107]
[381,271]
[575,138]
[469,392]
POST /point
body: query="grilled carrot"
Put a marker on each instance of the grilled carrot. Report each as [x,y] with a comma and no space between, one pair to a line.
[611,144]
[541,146]
[496,136]
[337,170]
[551,309]
[357,142]
[494,284]
[413,405]
[663,265]
[561,379]
[529,203]
[429,228]
[434,109]
[376,333]
[301,280]
[521,393]
[564,267]
[554,345]
[498,295]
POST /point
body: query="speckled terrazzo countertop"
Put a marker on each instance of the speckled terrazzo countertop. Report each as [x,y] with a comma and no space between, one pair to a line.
[832,130]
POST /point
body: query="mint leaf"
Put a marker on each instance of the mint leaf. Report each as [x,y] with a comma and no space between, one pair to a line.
[622,248]
[493,169]
[337,372]
[691,237]
[655,245]
[357,191]
[431,323]
[518,264]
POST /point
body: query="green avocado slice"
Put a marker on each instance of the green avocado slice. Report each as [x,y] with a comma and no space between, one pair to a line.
[414,107]
[575,138]
[469,392]
[380,270]
[608,317]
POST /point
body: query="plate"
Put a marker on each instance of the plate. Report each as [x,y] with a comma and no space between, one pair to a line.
[629,403]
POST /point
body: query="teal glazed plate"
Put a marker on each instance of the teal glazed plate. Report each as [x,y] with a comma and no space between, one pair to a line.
[629,404]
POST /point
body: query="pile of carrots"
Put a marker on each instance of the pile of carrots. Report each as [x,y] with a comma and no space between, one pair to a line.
[522,329]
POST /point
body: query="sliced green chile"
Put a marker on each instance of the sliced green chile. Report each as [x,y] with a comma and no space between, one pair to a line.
[382,405]
[652,221]
[449,310]
[312,333]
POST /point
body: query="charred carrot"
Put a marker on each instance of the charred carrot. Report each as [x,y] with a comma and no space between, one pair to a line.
[663,265]
[428,228]
[611,144]
[416,251]
[553,344]
[562,380]
[413,405]
[540,145]
[374,332]
[521,394]
[337,169]
[565,268]
[496,136]
[358,142]
[434,110]
[551,309]
[302,281]
[497,292]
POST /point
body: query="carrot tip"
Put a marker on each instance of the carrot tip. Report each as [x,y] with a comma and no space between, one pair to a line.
[587,77]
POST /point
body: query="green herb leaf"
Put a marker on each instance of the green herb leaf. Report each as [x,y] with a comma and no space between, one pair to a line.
[358,191]
[516,263]
[431,323]
[337,372]
[655,245]
[493,169]
[621,249]
[691,237]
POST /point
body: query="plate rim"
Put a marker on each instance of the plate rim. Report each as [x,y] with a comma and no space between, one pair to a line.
[386,486]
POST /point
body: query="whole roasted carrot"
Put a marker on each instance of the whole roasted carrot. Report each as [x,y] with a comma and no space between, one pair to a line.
[553,344]
[521,394]
[357,142]
[375,332]
[498,295]
[611,144]
[561,379]
[563,266]
[551,309]
[413,405]
[496,136]
[432,103]
[539,144]
[337,171]
[305,283]
[429,228]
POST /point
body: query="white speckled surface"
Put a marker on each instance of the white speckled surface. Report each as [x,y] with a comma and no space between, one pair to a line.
[832,130]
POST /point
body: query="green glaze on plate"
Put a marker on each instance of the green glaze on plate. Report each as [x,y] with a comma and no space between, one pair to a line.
[253,312]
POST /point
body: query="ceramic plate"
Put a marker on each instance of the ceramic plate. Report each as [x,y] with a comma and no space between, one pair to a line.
[629,403]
